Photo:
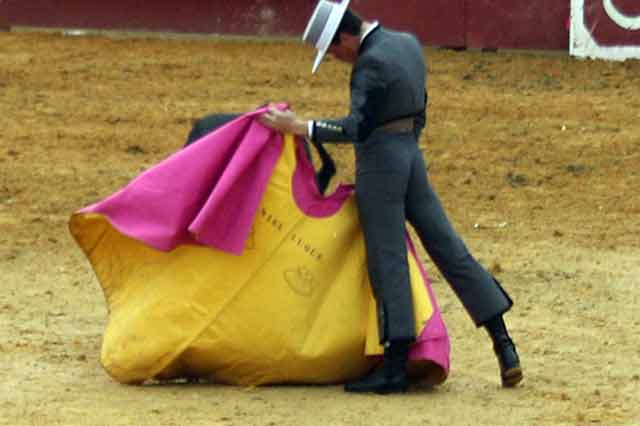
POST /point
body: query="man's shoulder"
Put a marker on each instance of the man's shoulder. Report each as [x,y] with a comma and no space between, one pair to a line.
[391,33]
[385,48]
[389,39]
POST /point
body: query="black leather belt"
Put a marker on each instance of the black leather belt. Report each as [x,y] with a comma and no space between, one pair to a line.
[396,126]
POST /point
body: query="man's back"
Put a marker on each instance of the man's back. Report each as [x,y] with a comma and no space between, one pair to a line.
[399,63]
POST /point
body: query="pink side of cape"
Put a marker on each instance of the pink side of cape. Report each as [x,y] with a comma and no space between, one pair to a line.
[433,343]
[209,192]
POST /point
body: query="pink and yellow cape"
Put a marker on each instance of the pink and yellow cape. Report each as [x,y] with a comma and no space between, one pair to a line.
[225,262]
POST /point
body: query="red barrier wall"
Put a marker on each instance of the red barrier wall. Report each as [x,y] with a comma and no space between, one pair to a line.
[538,24]
[271,17]
[452,23]
[435,22]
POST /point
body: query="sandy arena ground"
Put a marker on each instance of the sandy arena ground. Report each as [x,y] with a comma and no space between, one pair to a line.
[537,159]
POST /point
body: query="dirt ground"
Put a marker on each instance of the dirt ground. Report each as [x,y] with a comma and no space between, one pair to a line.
[536,157]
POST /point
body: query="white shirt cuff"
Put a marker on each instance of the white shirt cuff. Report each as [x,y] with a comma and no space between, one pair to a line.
[310,126]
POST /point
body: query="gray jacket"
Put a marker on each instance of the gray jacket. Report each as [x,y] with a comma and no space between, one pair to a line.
[388,83]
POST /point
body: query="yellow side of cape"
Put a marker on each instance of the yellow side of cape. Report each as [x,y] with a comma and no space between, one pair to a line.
[296,307]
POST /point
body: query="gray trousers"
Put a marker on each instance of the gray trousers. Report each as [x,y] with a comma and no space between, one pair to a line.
[392,186]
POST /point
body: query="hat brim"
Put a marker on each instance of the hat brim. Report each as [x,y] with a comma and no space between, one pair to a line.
[337,13]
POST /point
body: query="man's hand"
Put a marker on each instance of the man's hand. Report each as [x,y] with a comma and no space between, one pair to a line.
[284,121]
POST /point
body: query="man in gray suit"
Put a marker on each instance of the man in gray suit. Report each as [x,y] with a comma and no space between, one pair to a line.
[388,110]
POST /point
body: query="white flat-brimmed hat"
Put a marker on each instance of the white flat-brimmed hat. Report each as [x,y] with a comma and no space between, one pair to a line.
[322,27]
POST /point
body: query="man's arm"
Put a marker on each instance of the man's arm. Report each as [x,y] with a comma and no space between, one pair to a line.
[367,88]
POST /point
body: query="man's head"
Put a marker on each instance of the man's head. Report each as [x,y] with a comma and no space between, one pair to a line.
[346,42]
[335,29]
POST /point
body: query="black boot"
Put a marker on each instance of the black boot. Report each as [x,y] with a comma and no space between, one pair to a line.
[391,377]
[505,349]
